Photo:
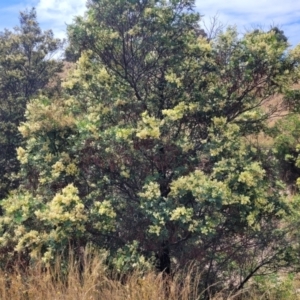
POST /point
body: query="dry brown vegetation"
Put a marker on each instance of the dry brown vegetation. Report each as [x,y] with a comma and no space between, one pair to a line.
[97,281]
[276,109]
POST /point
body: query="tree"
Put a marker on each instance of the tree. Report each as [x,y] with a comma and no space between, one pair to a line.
[26,66]
[147,153]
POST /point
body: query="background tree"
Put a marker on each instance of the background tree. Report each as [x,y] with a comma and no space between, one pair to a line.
[147,154]
[26,66]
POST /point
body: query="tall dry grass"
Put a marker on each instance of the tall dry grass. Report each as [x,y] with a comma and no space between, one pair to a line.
[96,281]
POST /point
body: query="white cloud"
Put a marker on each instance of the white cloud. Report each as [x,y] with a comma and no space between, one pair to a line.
[246,14]
[60,10]
[55,14]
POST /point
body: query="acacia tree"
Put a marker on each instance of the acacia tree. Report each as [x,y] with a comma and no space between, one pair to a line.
[147,152]
[26,66]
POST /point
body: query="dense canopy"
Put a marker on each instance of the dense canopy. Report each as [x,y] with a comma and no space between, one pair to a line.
[149,150]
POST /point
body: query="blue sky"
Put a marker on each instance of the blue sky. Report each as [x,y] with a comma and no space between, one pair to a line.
[55,14]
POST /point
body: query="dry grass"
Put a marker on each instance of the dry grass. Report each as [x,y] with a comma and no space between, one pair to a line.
[97,282]
[67,68]
[276,110]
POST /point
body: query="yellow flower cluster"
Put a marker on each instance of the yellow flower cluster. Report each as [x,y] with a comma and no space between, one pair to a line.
[105,208]
[186,144]
[24,130]
[120,102]
[71,169]
[18,203]
[148,11]
[20,231]
[295,52]
[247,178]
[179,110]
[155,229]
[43,114]
[103,76]
[65,157]
[182,213]
[48,255]
[193,225]
[148,127]
[49,157]
[244,199]
[219,122]
[201,186]
[65,206]
[251,219]
[252,175]
[151,191]
[124,133]
[22,155]
[29,238]
[57,168]
[172,78]
[104,216]
[204,44]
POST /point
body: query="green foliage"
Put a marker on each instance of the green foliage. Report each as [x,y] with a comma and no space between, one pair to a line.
[275,286]
[26,67]
[287,143]
[146,152]
[129,258]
